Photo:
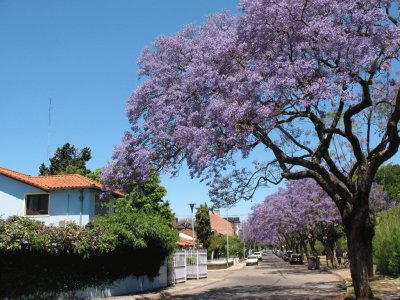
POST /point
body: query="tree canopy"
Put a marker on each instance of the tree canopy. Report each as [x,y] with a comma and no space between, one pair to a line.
[148,196]
[309,83]
[67,160]
[203,225]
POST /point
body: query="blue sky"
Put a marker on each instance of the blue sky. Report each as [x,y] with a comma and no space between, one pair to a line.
[82,54]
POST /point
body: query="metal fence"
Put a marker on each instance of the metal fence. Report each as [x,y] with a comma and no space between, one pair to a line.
[189,264]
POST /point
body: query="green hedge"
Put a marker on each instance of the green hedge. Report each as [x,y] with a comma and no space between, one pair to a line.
[387,243]
[37,259]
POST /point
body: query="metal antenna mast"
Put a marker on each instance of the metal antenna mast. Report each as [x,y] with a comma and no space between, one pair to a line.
[49,132]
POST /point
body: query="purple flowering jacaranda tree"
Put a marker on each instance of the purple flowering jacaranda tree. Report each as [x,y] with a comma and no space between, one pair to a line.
[300,212]
[308,84]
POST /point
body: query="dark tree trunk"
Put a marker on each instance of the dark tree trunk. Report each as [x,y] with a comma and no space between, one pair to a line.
[312,246]
[360,231]
[304,248]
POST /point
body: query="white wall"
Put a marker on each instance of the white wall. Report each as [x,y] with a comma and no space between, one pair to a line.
[64,205]
[12,196]
[128,285]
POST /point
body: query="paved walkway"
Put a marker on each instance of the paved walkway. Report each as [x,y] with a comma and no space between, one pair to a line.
[213,277]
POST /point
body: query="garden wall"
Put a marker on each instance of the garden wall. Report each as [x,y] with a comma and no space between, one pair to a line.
[127,285]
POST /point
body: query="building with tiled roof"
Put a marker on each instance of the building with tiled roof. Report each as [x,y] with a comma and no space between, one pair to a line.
[186,238]
[235,223]
[219,225]
[55,200]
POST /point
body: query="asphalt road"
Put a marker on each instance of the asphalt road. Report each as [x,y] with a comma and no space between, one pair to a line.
[271,279]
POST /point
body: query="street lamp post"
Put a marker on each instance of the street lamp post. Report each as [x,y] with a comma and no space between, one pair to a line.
[244,241]
[227,237]
[191,208]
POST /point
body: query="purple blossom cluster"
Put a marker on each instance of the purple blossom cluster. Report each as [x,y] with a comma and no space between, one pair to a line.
[212,93]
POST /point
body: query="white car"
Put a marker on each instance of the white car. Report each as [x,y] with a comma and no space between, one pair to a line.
[251,260]
[258,254]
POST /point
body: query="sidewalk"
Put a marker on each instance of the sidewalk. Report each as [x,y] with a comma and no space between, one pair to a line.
[213,277]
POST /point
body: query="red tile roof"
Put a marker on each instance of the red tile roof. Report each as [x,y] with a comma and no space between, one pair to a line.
[220,225]
[54,182]
[184,243]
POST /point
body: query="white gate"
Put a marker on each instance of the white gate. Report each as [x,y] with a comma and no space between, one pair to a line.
[196,261]
[189,264]
[179,266]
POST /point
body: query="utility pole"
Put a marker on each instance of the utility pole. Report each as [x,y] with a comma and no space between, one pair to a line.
[191,208]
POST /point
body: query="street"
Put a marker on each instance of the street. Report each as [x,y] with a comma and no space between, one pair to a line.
[271,279]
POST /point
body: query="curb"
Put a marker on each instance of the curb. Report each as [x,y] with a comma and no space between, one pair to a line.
[164,294]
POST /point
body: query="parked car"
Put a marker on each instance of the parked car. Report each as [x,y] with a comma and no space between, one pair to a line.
[258,254]
[251,260]
[286,256]
[295,258]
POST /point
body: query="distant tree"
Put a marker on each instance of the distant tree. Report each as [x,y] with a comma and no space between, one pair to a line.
[389,177]
[67,160]
[95,175]
[218,246]
[203,225]
[43,170]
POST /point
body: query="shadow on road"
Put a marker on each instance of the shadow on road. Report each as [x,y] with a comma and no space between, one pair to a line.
[276,292]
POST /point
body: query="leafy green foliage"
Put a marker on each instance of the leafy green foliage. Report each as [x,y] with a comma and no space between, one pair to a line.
[149,196]
[67,160]
[389,177]
[218,245]
[203,225]
[132,229]
[387,242]
[35,258]
[95,175]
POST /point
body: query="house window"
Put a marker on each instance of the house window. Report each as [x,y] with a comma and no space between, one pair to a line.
[37,204]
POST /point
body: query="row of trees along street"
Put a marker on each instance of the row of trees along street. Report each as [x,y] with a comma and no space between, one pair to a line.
[305,89]
[301,215]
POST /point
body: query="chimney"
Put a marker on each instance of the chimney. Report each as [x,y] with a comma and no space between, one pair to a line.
[217,212]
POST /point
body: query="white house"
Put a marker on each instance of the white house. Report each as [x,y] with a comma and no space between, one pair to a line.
[55,200]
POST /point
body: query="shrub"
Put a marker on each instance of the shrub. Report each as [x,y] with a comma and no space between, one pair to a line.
[387,243]
[37,259]
[218,245]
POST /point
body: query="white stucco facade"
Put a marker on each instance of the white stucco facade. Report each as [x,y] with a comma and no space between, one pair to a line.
[65,205]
